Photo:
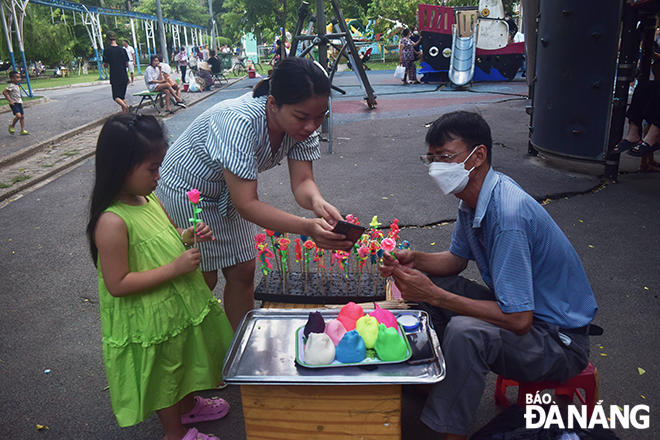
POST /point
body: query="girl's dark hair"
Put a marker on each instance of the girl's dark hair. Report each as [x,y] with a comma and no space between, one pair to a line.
[405,32]
[153,57]
[211,53]
[468,126]
[125,141]
[294,80]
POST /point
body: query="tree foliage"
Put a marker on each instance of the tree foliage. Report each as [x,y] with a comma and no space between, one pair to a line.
[57,39]
[182,10]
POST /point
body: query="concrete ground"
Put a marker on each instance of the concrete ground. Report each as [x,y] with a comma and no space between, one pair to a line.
[51,368]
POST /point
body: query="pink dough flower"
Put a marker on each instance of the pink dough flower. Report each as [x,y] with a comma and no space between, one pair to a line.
[259,238]
[193,196]
[388,244]
[309,245]
[349,218]
[269,232]
[363,252]
[284,243]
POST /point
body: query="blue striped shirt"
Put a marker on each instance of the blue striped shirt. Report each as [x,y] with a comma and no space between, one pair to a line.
[231,135]
[522,255]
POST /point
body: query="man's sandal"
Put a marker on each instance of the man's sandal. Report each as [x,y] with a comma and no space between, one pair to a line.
[194,434]
[205,410]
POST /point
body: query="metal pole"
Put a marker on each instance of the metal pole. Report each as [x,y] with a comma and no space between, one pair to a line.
[19,34]
[321,23]
[629,49]
[161,33]
[146,32]
[135,46]
[185,35]
[7,37]
[212,29]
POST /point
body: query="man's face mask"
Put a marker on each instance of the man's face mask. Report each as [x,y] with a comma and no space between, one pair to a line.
[451,177]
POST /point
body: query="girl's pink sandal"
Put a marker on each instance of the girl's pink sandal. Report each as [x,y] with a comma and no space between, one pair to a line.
[205,410]
[194,434]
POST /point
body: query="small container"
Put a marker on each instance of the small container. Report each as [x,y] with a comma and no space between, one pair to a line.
[408,321]
[185,87]
[252,73]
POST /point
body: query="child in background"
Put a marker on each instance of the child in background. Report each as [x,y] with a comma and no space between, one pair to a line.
[164,333]
[13,95]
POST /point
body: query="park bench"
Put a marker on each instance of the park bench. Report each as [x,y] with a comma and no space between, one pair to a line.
[151,96]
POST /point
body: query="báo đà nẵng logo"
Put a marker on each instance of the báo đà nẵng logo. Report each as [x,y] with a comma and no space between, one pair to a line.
[537,416]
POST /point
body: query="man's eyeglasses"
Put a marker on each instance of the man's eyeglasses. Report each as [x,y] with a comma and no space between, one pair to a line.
[428,159]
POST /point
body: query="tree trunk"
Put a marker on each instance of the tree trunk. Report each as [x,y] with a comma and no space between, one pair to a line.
[284,31]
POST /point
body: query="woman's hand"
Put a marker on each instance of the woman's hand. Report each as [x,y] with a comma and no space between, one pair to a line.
[326,211]
[187,261]
[321,233]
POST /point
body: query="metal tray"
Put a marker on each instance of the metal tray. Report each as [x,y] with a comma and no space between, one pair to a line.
[263,353]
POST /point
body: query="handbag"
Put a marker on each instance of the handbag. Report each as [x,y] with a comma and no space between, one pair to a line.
[399,72]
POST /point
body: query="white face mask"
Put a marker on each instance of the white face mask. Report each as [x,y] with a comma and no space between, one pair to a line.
[415,32]
[451,177]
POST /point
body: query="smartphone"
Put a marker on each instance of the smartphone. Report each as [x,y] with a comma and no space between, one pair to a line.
[422,351]
[351,231]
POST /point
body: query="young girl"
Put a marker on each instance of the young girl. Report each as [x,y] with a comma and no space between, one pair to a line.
[164,333]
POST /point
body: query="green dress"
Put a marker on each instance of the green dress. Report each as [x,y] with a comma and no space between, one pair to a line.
[166,342]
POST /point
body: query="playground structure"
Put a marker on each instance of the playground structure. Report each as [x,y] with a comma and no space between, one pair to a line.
[90,18]
[466,44]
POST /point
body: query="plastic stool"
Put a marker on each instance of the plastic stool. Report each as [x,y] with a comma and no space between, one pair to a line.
[587,380]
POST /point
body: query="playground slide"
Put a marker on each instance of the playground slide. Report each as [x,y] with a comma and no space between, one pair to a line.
[461,66]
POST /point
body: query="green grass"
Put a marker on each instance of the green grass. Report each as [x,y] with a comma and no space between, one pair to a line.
[43,82]
[4,101]
[378,65]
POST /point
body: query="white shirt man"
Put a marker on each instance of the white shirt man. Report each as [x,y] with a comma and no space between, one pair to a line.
[131,60]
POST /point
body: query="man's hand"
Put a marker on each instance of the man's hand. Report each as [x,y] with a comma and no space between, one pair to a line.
[399,257]
[416,286]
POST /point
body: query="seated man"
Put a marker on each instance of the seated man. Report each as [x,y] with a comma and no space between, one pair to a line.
[532,321]
[214,62]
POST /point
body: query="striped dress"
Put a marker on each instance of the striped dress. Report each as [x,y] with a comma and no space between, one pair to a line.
[231,135]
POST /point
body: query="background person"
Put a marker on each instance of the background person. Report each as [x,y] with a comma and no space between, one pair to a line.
[132,61]
[204,77]
[154,80]
[166,71]
[532,319]
[416,38]
[513,27]
[182,61]
[12,94]
[116,59]
[214,62]
[221,154]
[407,57]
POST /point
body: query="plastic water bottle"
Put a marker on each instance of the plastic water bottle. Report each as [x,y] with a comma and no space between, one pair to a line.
[178,81]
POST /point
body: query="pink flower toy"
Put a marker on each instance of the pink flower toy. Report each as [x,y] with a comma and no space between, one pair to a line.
[260,238]
[388,244]
[194,197]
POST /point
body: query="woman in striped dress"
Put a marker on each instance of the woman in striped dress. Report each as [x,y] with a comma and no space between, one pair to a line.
[221,153]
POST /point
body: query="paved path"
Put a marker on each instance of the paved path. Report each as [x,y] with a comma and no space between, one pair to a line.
[49,317]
